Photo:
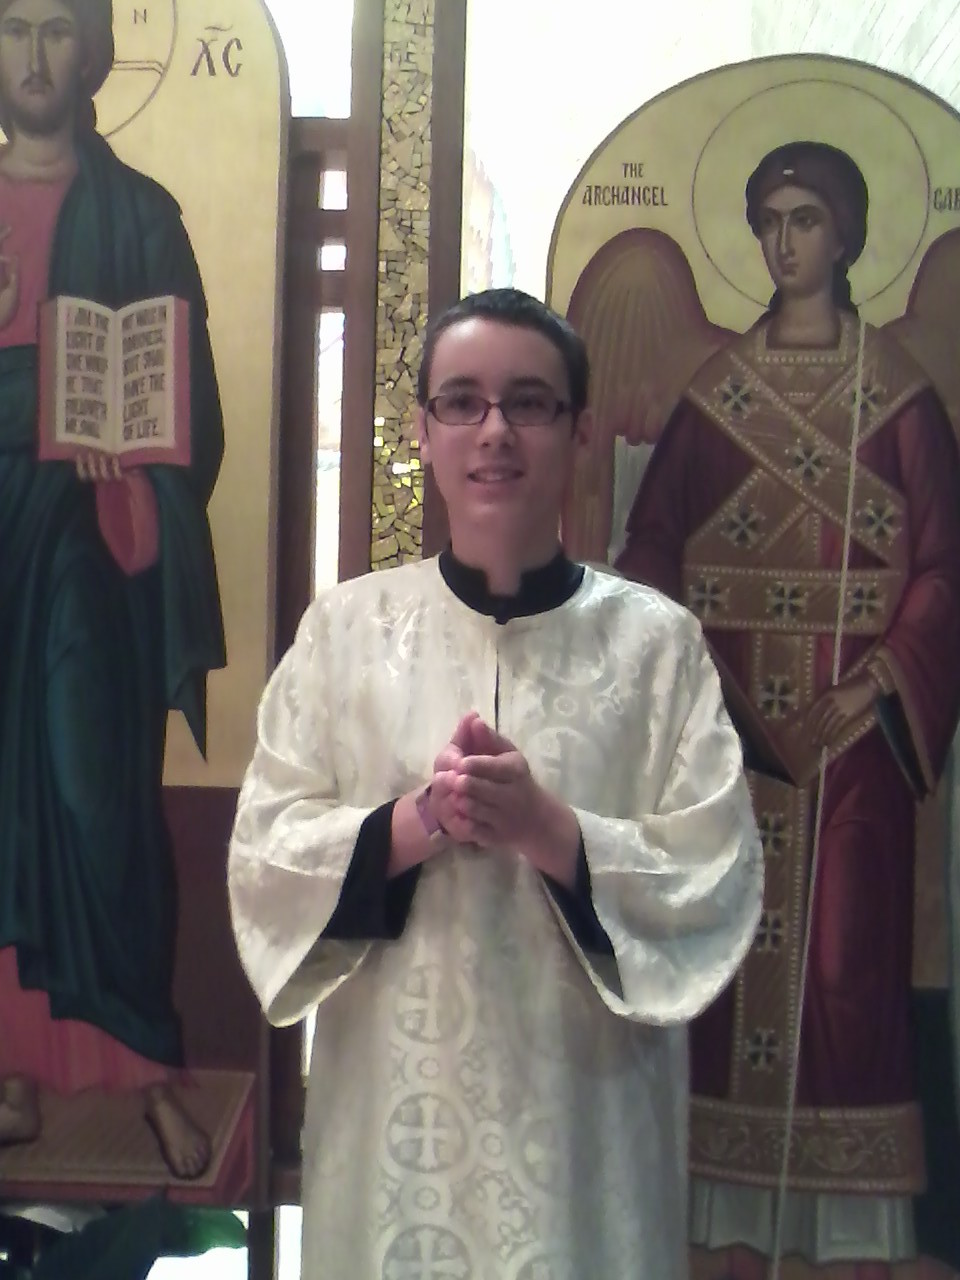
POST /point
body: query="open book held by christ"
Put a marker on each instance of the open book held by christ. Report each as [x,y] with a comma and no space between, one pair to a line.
[115,382]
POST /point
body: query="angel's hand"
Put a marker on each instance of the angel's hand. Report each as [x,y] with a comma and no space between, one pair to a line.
[646,417]
[837,709]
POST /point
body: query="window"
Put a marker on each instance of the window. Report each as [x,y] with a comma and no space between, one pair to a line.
[316,40]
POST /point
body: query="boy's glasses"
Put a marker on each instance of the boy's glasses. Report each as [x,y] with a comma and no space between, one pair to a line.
[517,408]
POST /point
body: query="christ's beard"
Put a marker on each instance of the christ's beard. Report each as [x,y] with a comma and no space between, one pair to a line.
[42,123]
[41,118]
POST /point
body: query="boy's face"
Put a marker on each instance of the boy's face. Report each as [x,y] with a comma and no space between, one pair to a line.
[493,476]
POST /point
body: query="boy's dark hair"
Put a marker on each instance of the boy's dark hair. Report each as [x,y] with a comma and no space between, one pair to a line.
[513,307]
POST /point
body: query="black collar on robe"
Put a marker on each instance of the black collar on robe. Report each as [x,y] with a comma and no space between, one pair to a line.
[541,589]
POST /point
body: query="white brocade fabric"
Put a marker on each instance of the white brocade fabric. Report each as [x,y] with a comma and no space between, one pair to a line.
[486,1101]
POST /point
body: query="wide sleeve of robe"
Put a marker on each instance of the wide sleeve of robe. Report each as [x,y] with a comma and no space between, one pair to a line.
[293,840]
[670,842]
[678,890]
[918,652]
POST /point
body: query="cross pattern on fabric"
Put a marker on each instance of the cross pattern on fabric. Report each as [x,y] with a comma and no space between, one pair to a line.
[864,602]
[770,931]
[421,1013]
[808,462]
[539,1153]
[881,520]
[763,1049]
[707,597]
[743,526]
[812,460]
[773,833]
[735,397]
[424,1134]
[778,697]
[873,398]
[427,1253]
[787,600]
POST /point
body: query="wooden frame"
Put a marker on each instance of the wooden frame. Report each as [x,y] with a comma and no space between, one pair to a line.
[318,146]
[360,289]
[446,205]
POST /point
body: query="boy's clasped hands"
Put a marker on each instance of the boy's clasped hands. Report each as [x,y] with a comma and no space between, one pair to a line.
[483,793]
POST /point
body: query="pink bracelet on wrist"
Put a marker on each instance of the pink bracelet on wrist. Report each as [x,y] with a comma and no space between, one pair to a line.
[431,823]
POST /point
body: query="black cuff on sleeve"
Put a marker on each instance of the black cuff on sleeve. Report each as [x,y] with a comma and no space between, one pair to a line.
[896,729]
[577,908]
[371,906]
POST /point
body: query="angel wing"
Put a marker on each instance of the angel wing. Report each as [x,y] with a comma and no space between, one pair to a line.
[637,307]
[928,327]
[929,332]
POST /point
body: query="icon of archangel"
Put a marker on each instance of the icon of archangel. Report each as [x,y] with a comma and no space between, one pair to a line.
[830,595]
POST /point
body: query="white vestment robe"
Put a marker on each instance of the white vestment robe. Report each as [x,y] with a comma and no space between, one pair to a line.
[486,1100]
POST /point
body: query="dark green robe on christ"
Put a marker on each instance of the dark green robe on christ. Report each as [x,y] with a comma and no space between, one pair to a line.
[92,660]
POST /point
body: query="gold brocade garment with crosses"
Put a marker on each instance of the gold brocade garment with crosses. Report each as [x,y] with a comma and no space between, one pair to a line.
[767,564]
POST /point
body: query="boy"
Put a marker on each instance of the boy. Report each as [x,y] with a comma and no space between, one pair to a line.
[497,827]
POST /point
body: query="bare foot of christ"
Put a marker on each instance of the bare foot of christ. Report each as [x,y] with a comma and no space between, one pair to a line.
[183,1144]
[19,1111]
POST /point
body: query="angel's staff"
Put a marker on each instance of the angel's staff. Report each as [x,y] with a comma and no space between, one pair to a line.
[782,1189]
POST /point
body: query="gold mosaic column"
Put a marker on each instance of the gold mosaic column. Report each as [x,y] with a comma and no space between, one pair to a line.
[405,153]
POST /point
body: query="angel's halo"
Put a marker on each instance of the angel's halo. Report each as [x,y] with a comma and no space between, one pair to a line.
[812,109]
